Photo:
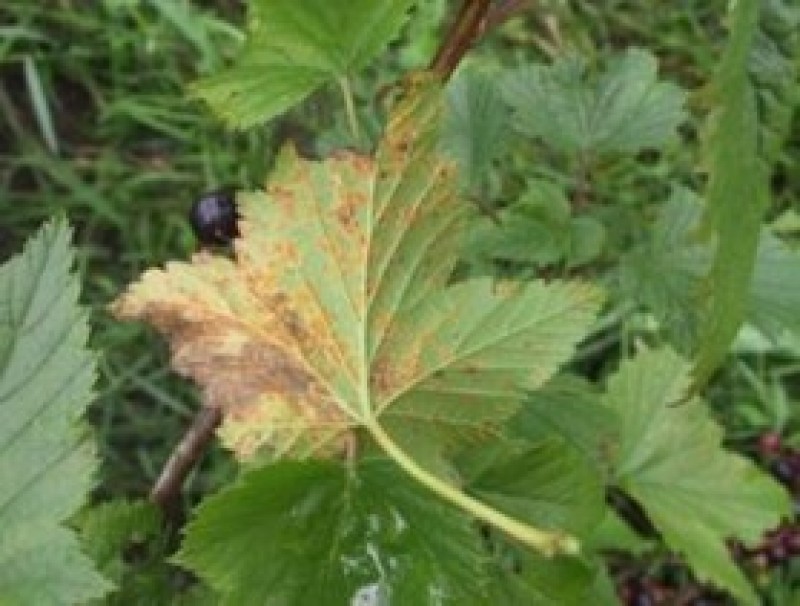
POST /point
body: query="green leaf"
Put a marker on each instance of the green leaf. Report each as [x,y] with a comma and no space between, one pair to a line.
[624,110]
[665,275]
[524,579]
[106,530]
[671,461]
[586,240]
[535,229]
[737,192]
[339,314]
[774,68]
[664,272]
[322,533]
[569,407]
[294,47]
[547,483]
[46,459]
[613,533]
[775,288]
[475,126]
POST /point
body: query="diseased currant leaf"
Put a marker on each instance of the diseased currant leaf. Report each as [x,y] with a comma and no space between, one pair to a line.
[624,110]
[294,47]
[324,533]
[547,483]
[671,461]
[46,458]
[338,312]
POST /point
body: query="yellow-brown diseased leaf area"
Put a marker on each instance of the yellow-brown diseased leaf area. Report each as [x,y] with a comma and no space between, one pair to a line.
[337,307]
[232,343]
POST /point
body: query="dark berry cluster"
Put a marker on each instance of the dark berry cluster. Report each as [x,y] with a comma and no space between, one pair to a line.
[645,590]
[776,548]
[642,591]
[781,544]
[782,461]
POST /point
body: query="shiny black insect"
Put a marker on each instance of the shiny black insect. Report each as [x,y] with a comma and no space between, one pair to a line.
[213,217]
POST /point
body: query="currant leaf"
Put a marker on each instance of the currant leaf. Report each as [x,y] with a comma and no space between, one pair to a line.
[319,532]
[293,48]
[338,312]
[46,458]
[671,461]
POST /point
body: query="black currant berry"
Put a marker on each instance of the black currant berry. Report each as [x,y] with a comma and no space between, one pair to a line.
[213,217]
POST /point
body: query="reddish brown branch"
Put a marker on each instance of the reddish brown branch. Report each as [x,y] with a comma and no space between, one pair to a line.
[503,11]
[465,29]
[475,18]
[167,489]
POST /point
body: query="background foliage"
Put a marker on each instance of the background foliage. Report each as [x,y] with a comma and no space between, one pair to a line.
[100,129]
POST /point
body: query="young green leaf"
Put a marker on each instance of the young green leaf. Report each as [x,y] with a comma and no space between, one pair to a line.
[537,581]
[737,191]
[46,459]
[664,272]
[570,408]
[624,110]
[547,483]
[670,460]
[775,288]
[338,312]
[322,533]
[294,47]
[475,126]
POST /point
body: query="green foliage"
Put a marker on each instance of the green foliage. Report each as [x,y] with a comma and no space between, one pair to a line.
[47,460]
[476,128]
[325,533]
[664,273]
[293,48]
[670,460]
[623,110]
[568,407]
[100,132]
[546,483]
[537,230]
[735,194]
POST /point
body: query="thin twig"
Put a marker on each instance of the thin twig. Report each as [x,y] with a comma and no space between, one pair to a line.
[167,489]
[463,32]
[503,11]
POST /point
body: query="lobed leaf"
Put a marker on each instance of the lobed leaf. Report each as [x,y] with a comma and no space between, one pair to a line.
[670,460]
[475,130]
[46,458]
[321,533]
[338,311]
[293,48]
[624,110]
[665,274]
[547,483]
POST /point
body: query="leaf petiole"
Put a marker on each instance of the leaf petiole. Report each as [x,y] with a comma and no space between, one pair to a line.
[350,107]
[547,542]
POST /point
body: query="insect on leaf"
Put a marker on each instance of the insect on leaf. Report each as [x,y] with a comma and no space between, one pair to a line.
[338,312]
